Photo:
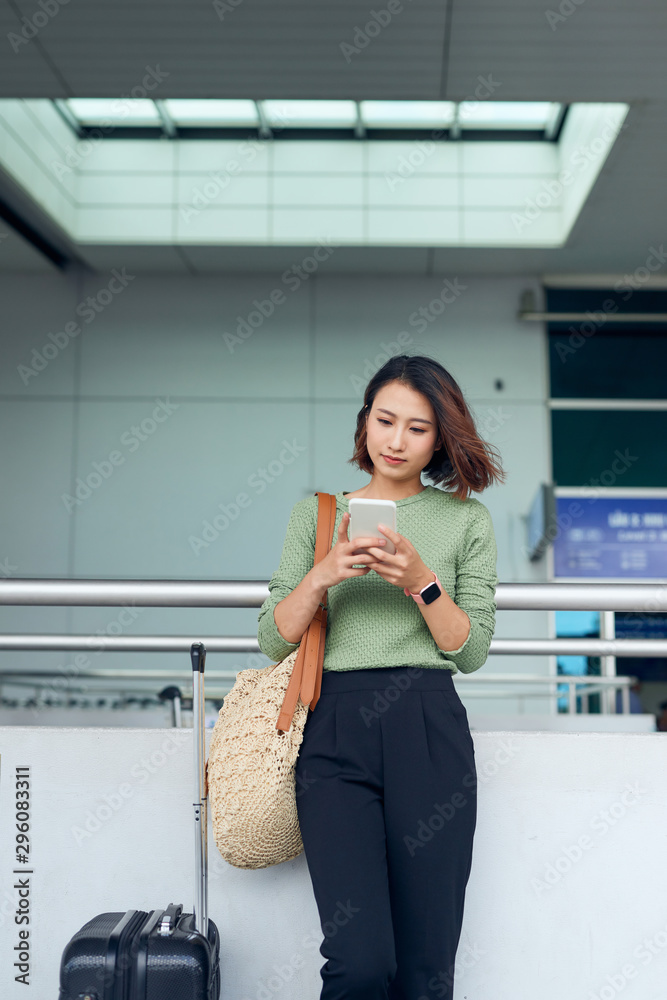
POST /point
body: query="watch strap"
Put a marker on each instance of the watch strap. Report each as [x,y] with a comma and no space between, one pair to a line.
[417,597]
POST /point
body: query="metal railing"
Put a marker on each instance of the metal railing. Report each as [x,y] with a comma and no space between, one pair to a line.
[603,597]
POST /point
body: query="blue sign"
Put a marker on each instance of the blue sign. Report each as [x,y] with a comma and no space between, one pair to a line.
[603,537]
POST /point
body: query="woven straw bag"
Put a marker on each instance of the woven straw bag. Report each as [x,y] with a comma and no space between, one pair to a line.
[256,740]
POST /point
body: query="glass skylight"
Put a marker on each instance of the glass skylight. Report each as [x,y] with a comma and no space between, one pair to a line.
[311,114]
[505,114]
[496,116]
[407,114]
[184,111]
[94,110]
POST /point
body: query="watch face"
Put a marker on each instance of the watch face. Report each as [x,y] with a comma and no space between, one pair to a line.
[431,593]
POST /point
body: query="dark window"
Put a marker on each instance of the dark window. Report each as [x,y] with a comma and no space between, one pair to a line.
[611,364]
[602,358]
[609,447]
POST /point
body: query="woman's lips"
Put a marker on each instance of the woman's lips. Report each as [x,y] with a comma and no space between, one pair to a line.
[393,461]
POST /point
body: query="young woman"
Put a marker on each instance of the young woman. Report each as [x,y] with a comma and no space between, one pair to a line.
[385,778]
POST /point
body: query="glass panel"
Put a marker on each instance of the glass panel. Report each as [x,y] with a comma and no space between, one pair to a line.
[311,114]
[627,363]
[609,447]
[211,112]
[505,114]
[472,114]
[600,356]
[97,110]
[642,625]
[407,114]
[570,624]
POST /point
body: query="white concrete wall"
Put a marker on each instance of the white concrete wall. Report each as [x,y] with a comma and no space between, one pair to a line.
[565,897]
[298,377]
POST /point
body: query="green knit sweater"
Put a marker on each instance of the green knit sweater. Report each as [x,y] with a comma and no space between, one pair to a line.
[370,622]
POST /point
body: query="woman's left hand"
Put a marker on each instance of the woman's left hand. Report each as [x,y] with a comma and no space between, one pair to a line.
[404,568]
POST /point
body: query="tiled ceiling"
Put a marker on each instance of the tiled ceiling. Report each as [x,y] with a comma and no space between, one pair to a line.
[604,50]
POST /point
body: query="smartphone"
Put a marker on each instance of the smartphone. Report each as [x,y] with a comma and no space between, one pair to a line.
[365,515]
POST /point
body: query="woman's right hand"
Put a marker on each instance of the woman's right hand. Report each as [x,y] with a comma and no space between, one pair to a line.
[338,562]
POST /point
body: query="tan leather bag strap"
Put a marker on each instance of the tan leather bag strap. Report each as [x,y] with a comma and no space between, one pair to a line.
[306,678]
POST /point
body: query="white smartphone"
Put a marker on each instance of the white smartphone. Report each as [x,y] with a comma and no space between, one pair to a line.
[365,515]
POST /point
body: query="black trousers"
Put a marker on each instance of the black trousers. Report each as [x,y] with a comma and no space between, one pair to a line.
[386,792]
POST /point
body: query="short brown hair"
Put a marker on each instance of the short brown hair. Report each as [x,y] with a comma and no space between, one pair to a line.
[463,461]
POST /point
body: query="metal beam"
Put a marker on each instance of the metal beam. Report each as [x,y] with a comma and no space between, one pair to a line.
[646,597]
[43,642]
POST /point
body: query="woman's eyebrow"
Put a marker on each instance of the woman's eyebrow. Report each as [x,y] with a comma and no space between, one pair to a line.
[418,420]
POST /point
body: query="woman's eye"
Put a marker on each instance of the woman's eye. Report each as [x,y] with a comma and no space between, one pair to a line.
[421,430]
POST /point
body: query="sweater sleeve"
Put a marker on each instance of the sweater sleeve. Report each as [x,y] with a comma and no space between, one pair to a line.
[475,593]
[297,559]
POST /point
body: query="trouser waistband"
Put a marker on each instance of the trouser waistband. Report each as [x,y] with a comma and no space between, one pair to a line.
[369,678]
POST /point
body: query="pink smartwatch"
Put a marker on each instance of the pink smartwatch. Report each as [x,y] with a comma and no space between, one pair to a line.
[427,594]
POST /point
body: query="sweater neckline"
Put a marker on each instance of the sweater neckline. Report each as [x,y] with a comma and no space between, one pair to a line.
[428,489]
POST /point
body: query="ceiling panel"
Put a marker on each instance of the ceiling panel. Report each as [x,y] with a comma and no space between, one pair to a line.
[260,48]
[25,71]
[605,50]
[18,255]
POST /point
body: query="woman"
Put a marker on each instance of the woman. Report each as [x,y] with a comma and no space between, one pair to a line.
[385,778]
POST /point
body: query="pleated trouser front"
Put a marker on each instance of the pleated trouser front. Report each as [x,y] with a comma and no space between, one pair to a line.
[386,792]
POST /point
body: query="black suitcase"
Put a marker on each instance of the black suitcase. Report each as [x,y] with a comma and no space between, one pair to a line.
[163,954]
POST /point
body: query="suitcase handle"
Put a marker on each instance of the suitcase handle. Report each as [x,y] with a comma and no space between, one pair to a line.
[200,909]
[169,919]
